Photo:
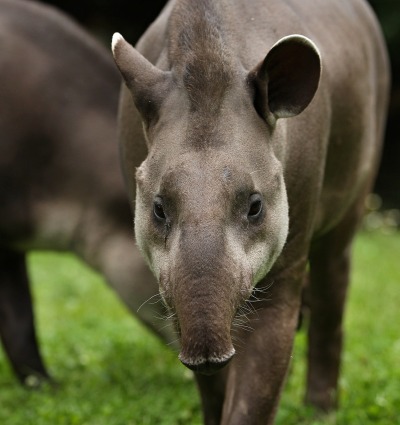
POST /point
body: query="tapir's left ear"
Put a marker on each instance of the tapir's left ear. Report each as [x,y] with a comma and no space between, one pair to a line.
[287,79]
[147,84]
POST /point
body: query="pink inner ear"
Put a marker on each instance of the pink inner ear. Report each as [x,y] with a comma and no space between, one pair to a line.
[292,69]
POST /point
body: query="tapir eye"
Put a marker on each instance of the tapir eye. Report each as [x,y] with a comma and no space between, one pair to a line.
[158,209]
[255,207]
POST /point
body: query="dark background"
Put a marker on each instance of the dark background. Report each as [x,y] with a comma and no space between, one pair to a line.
[131,18]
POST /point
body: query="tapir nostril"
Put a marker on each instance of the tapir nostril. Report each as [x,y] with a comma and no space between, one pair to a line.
[207,366]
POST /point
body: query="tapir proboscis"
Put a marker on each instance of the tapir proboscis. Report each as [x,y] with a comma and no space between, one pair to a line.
[250,134]
[60,182]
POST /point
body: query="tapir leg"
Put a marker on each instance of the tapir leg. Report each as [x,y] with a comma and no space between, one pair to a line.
[17,329]
[257,372]
[212,391]
[329,277]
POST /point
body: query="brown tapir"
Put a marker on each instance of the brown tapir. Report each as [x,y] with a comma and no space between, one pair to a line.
[60,181]
[263,122]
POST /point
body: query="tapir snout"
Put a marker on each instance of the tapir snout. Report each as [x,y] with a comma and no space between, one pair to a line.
[207,286]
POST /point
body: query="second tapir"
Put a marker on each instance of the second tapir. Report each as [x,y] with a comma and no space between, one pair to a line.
[60,182]
[262,127]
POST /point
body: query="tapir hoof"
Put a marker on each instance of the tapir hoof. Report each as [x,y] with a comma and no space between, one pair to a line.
[207,366]
[35,381]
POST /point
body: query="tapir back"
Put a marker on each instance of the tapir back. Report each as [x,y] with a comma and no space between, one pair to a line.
[58,102]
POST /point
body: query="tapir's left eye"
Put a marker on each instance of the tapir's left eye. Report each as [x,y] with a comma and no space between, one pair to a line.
[158,209]
[255,206]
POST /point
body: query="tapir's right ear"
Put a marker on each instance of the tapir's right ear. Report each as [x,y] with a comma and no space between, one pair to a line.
[147,84]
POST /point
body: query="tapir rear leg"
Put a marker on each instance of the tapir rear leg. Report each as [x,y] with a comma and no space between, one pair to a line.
[329,278]
[17,328]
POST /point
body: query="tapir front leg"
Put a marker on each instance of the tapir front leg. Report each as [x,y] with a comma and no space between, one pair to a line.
[258,371]
[329,278]
[17,328]
[212,390]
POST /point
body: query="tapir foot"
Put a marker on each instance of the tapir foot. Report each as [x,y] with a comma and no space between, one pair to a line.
[17,330]
[323,401]
[35,380]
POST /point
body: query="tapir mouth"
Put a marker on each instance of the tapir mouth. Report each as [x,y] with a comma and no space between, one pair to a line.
[205,350]
[209,365]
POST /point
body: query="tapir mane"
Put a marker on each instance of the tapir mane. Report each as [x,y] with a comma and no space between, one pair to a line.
[200,53]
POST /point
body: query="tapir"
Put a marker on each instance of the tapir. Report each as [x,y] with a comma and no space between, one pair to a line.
[250,133]
[61,187]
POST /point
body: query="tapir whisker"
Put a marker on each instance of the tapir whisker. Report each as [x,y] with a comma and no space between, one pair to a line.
[166,326]
[170,316]
[239,324]
[173,342]
[263,289]
[252,310]
[147,301]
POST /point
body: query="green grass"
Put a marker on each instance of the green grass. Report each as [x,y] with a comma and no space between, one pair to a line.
[112,371]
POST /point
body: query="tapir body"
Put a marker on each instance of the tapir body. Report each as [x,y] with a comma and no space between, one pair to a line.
[60,179]
[262,129]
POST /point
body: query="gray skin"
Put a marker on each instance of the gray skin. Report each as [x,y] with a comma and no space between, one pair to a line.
[247,154]
[61,187]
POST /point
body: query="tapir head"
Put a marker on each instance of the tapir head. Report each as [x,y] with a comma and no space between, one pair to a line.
[211,211]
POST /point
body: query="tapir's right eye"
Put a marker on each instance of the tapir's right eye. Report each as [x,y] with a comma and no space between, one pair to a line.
[158,209]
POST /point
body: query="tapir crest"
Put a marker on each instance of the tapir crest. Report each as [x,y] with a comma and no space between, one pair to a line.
[239,109]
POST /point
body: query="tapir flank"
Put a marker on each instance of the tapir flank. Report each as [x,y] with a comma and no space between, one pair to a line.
[250,134]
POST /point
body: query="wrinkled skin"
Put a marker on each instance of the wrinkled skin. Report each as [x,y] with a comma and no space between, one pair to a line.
[261,145]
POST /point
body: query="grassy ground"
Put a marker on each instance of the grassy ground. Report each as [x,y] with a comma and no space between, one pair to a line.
[112,371]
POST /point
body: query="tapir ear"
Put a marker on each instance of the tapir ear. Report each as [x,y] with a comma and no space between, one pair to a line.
[287,79]
[147,84]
